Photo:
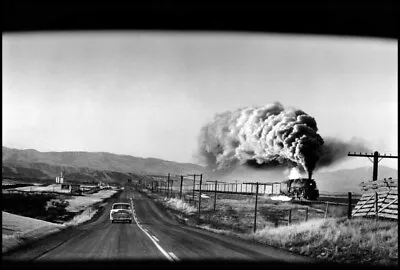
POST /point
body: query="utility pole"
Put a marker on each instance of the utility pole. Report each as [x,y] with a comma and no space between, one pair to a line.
[375,161]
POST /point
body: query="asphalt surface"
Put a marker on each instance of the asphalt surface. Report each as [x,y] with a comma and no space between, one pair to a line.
[154,235]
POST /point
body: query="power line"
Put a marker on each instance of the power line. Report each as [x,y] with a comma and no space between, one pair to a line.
[375,160]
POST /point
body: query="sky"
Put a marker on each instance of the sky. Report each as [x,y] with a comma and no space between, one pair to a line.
[148,94]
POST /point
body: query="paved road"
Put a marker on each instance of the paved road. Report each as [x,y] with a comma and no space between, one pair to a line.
[154,235]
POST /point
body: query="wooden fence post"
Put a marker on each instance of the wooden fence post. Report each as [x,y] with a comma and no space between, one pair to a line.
[349,206]
[326,210]
[180,190]
[201,179]
[194,186]
[306,213]
[215,195]
[255,209]
[290,217]
[168,186]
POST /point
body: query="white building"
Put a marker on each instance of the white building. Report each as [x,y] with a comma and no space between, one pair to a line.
[60,179]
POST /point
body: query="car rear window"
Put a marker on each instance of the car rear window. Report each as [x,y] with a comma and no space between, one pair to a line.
[121,206]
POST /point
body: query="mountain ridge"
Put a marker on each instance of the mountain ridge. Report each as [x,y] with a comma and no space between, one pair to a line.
[109,167]
[98,161]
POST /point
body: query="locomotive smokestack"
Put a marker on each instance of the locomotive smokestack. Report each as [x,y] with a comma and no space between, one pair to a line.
[309,175]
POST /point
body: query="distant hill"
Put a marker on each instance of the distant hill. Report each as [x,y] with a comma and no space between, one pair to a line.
[101,161]
[349,180]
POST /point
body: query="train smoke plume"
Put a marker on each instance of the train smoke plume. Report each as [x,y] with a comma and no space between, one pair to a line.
[271,137]
[262,137]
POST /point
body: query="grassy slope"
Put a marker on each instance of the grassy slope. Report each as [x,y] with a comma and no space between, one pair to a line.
[18,229]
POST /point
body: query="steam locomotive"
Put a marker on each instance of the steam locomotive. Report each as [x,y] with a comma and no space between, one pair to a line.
[305,188]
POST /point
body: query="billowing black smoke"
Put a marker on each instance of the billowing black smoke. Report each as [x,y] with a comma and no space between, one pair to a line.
[262,137]
[335,150]
[269,136]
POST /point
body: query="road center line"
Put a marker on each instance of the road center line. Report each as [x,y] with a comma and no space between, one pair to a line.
[168,256]
[174,256]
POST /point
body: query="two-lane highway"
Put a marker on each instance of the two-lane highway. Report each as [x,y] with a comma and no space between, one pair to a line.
[153,235]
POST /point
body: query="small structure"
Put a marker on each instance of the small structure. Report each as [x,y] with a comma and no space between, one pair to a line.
[60,179]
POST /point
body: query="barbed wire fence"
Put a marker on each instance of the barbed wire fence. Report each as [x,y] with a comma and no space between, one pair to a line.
[245,206]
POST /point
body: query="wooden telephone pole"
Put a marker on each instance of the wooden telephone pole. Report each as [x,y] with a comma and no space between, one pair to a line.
[375,161]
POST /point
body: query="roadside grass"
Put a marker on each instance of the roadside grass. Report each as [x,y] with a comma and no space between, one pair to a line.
[334,239]
[85,215]
[180,205]
[361,241]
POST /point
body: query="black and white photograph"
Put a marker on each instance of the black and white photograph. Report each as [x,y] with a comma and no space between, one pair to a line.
[194,140]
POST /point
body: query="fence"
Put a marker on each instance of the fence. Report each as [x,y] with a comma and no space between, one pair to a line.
[245,206]
[15,191]
[380,200]
[53,190]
